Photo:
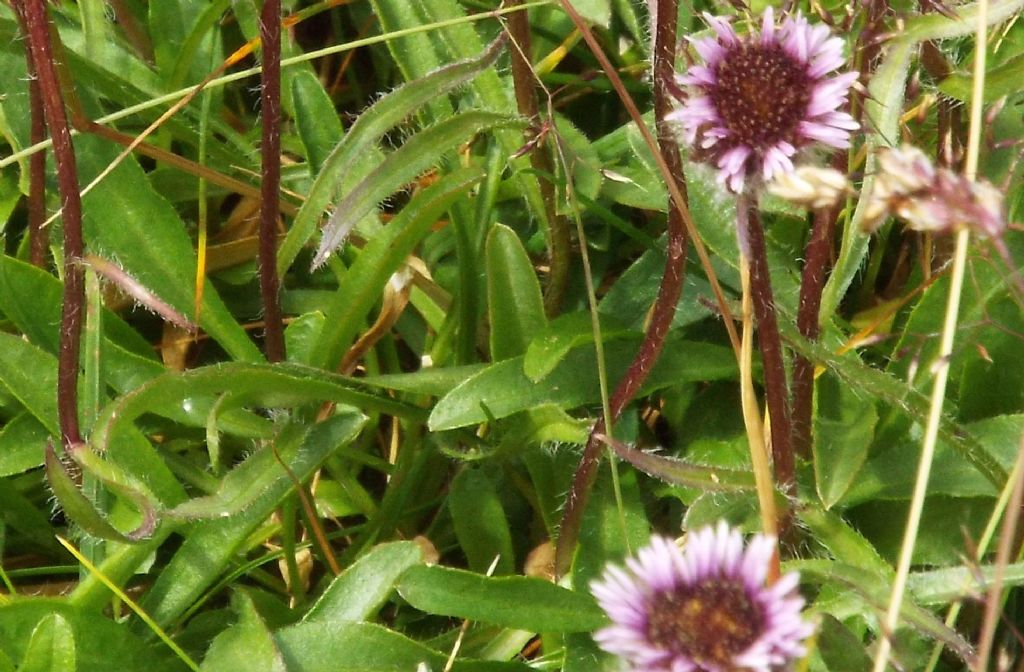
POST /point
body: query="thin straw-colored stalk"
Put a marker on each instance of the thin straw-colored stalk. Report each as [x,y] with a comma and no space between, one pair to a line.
[752,412]
[942,365]
[1006,541]
[983,541]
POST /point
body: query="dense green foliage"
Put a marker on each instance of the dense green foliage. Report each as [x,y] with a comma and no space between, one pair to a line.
[390,493]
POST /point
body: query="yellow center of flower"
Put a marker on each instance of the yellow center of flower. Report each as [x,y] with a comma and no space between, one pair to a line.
[761,94]
[710,623]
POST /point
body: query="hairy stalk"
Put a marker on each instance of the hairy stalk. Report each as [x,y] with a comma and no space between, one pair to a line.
[559,242]
[817,256]
[270,149]
[38,235]
[678,198]
[942,364]
[776,389]
[664,306]
[34,17]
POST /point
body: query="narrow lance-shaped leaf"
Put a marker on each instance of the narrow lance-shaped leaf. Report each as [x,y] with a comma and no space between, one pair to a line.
[281,385]
[380,258]
[77,507]
[364,134]
[421,152]
[521,602]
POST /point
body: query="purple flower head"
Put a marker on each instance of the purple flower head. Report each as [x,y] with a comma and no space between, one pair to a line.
[705,609]
[756,100]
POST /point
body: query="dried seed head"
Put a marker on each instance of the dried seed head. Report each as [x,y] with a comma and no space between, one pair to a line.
[931,199]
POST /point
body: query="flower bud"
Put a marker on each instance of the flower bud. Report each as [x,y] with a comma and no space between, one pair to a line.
[810,186]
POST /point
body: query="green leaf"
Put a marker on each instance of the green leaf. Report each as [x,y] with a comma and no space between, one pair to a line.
[419,153]
[503,389]
[520,602]
[680,472]
[844,428]
[942,586]
[75,504]
[209,546]
[95,643]
[248,481]
[31,299]
[874,589]
[582,654]
[367,647]
[581,162]
[432,381]
[839,648]
[940,538]
[630,298]
[272,386]
[564,333]
[514,302]
[362,589]
[30,375]
[51,647]
[844,543]
[363,137]
[1003,80]
[317,120]
[124,218]
[20,514]
[22,441]
[247,645]
[419,54]
[480,522]
[896,394]
[595,11]
[382,256]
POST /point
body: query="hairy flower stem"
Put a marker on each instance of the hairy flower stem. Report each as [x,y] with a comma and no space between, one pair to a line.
[38,235]
[524,83]
[776,389]
[270,148]
[35,19]
[817,256]
[664,308]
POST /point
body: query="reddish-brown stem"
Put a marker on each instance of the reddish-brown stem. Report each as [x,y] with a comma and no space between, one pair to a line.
[664,309]
[38,237]
[776,389]
[270,109]
[37,23]
[524,83]
[818,255]
[133,31]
